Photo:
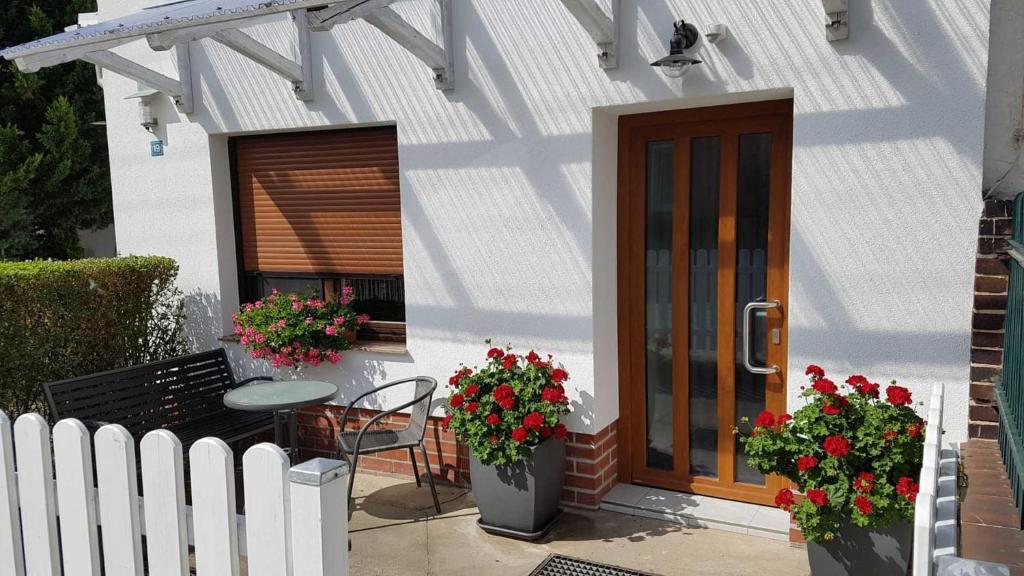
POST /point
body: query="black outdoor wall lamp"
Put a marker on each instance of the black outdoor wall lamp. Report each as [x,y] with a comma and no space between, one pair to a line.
[685,39]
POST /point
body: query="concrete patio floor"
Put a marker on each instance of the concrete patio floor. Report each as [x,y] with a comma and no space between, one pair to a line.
[394,532]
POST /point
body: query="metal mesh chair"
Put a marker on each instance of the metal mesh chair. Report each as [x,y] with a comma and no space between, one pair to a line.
[354,444]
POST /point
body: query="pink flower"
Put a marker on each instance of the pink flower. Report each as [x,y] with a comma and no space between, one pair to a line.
[248,307]
[346,295]
[363,318]
[239,330]
[258,304]
[260,338]
[244,340]
[296,305]
[333,357]
[331,330]
[339,320]
[309,321]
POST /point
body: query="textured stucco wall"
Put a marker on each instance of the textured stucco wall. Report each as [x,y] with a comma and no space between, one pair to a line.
[1004,117]
[508,181]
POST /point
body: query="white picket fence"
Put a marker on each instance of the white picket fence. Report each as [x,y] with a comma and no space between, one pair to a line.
[295,522]
[935,510]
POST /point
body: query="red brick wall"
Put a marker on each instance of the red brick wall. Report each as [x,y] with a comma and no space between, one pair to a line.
[590,459]
[990,285]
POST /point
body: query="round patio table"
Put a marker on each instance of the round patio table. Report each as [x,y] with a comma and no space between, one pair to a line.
[282,398]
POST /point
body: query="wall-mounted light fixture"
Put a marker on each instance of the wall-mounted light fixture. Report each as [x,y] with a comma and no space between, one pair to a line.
[685,41]
[838,12]
[147,119]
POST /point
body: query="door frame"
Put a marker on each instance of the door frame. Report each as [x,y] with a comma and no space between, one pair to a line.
[631,430]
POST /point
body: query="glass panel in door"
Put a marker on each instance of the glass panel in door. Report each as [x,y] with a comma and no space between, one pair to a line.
[659,178]
[705,159]
[753,189]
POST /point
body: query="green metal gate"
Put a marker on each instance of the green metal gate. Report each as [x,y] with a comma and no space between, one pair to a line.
[1010,389]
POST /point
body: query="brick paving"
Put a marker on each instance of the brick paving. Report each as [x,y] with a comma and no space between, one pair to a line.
[990,525]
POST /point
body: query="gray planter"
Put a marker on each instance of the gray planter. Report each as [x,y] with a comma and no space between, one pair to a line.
[521,500]
[858,551]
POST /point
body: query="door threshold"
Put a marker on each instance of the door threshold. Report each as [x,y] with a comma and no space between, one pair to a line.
[698,511]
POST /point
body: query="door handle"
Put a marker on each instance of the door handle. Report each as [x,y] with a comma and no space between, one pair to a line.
[750,307]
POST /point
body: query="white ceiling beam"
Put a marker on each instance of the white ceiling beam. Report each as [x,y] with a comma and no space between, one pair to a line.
[438,58]
[125,67]
[329,17]
[604,30]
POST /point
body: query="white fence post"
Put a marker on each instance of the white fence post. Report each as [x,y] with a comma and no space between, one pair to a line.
[12,560]
[163,483]
[72,455]
[118,490]
[319,502]
[267,511]
[213,508]
[35,492]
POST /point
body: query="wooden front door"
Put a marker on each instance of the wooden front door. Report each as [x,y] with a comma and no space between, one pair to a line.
[703,256]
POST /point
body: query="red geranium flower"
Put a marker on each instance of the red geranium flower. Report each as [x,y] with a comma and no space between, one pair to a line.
[495,353]
[493,439]
[815,371]
[783,418]
[472,389]
[554,394]
[863,503]
[493,419]
[784,499]
[765,419]
[520,435]
[533,420]
[825,386]
[545,431]
[447,420]
[805,463]
[837,446]
[454,380]
[831,410]
[863,386]
[505,396]
[865,482]
[907,488]
[472,407]
[914,430]
[509,361]
[558,375]
[890,435]
[534,359]
[456,400]
[817,496]
[560,431]
[898,396]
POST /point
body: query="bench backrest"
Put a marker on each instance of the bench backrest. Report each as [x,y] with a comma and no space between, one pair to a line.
[148,397]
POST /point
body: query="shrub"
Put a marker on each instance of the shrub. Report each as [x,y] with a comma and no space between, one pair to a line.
[289,330]
[61,320]
[508,406]
[850,453]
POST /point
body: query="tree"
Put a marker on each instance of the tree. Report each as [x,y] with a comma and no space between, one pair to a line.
[54,171]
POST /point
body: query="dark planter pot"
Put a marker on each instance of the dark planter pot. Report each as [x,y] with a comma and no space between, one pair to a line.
[521,500]
[857,551]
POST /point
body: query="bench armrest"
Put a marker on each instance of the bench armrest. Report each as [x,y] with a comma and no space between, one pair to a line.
[254,379]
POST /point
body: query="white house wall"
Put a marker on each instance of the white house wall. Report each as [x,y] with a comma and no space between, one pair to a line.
[508,181]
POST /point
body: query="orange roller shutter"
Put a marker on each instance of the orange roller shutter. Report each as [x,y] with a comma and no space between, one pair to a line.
[320,202]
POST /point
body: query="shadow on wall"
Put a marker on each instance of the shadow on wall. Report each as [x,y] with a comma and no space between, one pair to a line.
[532,151]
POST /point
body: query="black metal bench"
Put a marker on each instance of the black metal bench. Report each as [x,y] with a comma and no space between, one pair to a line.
[183,395]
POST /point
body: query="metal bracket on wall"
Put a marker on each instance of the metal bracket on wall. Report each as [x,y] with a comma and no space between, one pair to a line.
[602,28]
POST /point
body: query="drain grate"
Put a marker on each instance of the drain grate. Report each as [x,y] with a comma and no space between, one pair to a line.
[558,565]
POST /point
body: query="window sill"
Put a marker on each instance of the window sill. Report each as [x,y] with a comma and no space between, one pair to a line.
[359,345]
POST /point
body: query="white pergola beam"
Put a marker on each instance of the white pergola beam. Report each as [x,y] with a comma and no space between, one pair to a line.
[329,17]
[304,91]
[604,30]
[438,58]
[36,62]
[186,102]
[125,67]
[267,57]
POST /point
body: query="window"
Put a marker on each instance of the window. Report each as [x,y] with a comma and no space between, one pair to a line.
[318,211]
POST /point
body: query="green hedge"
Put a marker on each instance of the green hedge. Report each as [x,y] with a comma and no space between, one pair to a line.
[65,319]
